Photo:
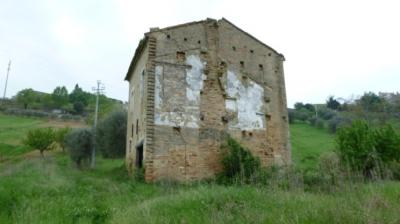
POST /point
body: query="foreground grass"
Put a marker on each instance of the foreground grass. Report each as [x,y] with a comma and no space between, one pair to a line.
[308,143]
[52,191]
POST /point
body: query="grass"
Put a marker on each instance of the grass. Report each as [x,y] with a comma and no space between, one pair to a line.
[308,143]
[14,128]
[52,190]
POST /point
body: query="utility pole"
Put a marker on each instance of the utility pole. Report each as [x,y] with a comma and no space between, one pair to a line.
[5,87]
[99,89]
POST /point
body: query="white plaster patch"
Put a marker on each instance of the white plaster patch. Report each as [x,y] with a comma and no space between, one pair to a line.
[189,113]
[194,78]
[176,119]
[158,87]
[249,100]
[231,104]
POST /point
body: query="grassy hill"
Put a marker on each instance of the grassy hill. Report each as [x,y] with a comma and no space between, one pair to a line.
[14,128]
[308,143]
[51,190]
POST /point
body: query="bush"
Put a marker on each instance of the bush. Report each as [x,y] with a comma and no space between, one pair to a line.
[79,143]
[312,120]
[238,163]
[59,136]
[337,122]
[326,113]
[291,114]
[319,123]
[40,139]
[387,143]
[111,135]
[366,149]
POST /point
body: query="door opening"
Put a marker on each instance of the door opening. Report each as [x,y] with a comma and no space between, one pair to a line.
[139,155]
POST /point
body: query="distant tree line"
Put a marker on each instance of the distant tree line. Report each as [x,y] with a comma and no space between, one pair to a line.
[335,113]
[77,102]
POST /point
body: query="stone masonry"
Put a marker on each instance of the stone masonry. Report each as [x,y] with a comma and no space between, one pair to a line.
[193,84]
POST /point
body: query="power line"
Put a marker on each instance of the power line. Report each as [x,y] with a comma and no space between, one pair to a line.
[99,89]
[5,87]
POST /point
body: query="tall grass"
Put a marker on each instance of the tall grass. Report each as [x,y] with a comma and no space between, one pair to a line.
[52,191]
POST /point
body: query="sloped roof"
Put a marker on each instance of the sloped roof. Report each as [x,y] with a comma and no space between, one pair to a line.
[143,42]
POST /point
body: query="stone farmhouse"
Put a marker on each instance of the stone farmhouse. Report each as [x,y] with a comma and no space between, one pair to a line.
[192,85]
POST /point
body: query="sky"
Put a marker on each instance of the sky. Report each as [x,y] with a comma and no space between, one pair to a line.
[342,47]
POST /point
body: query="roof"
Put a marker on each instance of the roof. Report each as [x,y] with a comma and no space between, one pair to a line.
[136,56]
[143,42]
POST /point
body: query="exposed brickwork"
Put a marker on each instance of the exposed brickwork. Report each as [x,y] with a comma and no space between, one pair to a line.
[206,80]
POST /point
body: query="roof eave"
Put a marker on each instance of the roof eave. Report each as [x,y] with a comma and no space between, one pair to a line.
[136,56]
[251,36]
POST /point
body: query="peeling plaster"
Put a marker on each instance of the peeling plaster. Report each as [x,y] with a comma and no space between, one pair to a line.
[194,78]
[189,114]
[249,102]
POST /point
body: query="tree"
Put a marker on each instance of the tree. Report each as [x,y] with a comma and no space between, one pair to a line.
[60,96]
[78,107]
[111,135]
[79,143]
[78,95]
[371,102]
[40,139]
[332,103]
[298,105]
[26,97]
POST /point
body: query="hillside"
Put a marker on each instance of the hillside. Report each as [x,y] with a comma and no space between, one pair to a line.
[51,190]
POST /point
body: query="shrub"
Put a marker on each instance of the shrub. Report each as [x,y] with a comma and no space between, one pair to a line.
[111,135]
[326,113]
[238,162]
[312,120]
[59,136]
[79,143]
[367,149]
[337,122]
[319,123]
[40,139]
[387,143]
[356,145]
[291,114]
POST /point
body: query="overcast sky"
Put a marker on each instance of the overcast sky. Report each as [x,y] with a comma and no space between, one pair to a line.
[340,48]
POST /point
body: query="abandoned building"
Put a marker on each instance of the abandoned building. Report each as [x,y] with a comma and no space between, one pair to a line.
[192,85]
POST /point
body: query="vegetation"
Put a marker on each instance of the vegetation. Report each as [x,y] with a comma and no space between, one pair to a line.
[59,104]
[40,139]
[25,97]
[111,135]
[60,135]
[80,144]
[368,149]
[239,164]
[50,191]
[322,186]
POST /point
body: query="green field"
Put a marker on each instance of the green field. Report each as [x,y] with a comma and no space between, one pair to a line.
[308,143]
[51,190]
[12,131]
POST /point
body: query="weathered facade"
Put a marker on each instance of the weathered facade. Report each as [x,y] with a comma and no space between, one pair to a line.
[193,84]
